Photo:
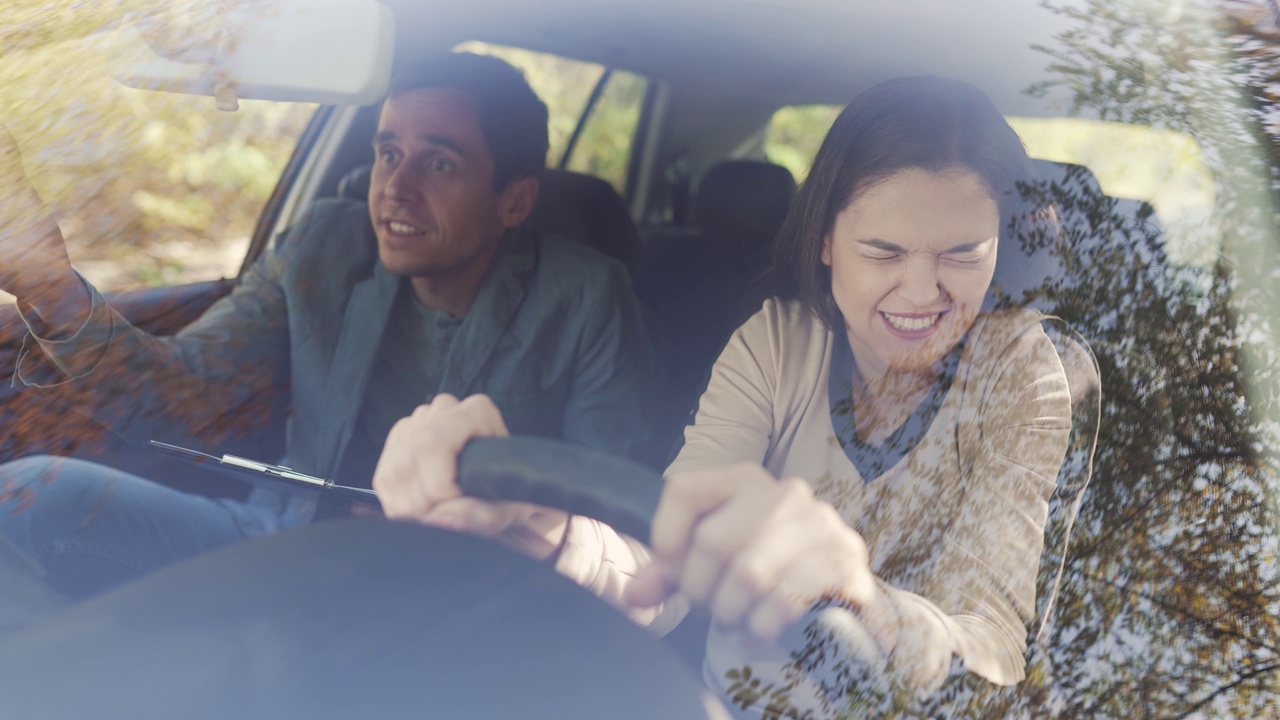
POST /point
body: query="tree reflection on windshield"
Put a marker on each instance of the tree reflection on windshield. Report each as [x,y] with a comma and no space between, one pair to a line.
[1170,605]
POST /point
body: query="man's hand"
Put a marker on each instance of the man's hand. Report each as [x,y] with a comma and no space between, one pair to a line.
[36,268]
[416,478]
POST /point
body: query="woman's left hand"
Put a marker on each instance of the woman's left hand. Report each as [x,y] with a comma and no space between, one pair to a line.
[759,553]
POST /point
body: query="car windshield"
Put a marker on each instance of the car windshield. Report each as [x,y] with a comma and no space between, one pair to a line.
[1154,133]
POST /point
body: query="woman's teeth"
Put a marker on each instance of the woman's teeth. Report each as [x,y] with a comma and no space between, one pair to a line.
[911,324]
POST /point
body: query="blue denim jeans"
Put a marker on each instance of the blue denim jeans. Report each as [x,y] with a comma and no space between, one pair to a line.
[90,527]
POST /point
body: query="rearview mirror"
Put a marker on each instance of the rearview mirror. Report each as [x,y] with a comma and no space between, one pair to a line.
[331,52]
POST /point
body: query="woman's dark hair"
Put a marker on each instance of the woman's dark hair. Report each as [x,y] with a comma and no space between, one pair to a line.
[923,122]
[513,120]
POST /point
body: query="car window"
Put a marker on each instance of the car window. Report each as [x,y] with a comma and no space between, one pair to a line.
[608,134]
[1163,167]
[150,188]
[604,143]
[794,134]
[1159,124]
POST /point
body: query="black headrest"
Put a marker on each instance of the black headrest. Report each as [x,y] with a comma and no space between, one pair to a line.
[744,201]
[1069,178]
[1032,267]
[587,210]
[354,185]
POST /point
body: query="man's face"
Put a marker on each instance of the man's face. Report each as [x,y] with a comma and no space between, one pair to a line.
[431,197]
[911,260]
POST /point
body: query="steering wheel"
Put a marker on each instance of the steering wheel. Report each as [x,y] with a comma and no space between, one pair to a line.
[371,618]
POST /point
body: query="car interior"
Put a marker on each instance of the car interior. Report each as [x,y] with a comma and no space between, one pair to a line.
[692,217]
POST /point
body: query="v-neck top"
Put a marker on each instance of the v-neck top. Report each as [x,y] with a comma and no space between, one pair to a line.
[872,460]
[954,526]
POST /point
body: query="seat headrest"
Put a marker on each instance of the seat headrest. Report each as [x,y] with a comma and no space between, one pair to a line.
[744,201]
[587,210]
[1033,270]
[1069,177]
[354,185]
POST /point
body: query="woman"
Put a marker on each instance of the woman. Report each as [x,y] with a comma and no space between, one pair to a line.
[934,431]
[917,426]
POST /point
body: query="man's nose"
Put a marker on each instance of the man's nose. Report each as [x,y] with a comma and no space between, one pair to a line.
[401,182]
[919,283]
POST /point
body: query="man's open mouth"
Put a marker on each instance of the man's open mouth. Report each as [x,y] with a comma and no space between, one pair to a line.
[402,228]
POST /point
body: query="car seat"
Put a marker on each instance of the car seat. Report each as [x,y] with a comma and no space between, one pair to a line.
[704,283]
[587,210]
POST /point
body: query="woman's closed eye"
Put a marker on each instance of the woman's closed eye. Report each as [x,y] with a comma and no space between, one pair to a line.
[969,253]
[969,257]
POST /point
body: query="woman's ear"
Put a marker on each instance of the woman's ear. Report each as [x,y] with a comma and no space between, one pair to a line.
[826,250]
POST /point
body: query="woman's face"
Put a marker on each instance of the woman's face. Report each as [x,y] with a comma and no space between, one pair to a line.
[911,259]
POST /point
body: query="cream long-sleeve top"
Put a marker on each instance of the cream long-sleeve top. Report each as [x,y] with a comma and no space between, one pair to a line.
[952,506]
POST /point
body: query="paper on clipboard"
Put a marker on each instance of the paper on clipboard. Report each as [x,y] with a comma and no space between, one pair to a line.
[279,472]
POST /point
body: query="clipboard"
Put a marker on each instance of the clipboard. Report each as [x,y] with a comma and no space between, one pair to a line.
[278,472]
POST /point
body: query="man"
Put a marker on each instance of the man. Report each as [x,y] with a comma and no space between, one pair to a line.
[435,288]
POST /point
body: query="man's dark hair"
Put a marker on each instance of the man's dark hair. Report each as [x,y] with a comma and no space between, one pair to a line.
[923,122]
[513,120]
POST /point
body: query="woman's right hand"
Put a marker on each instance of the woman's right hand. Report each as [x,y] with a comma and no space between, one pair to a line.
[759,553]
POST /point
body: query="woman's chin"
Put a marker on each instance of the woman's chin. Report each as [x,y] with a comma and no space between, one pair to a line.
[923,359]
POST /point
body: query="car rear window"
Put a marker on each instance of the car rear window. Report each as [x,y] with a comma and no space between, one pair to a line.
[604,144]
[1164,168]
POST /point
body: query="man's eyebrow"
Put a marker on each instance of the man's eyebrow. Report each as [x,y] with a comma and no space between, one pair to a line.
[444,141]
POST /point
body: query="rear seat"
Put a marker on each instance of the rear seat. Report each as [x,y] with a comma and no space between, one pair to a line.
[703,282]
[587,210]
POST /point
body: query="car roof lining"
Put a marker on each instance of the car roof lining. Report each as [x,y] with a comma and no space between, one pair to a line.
[717,45]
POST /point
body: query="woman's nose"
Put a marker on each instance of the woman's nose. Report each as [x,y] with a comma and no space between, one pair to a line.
[919,284]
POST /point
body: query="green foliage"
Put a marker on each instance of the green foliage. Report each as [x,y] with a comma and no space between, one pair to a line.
[795,133]
[604,147]
[1171,607]
[127,172]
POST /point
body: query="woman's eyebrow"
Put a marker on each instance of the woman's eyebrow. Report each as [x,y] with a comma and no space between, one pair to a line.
[884,245]
[966,247]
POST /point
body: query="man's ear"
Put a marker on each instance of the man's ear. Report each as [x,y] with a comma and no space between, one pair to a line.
[516,201]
